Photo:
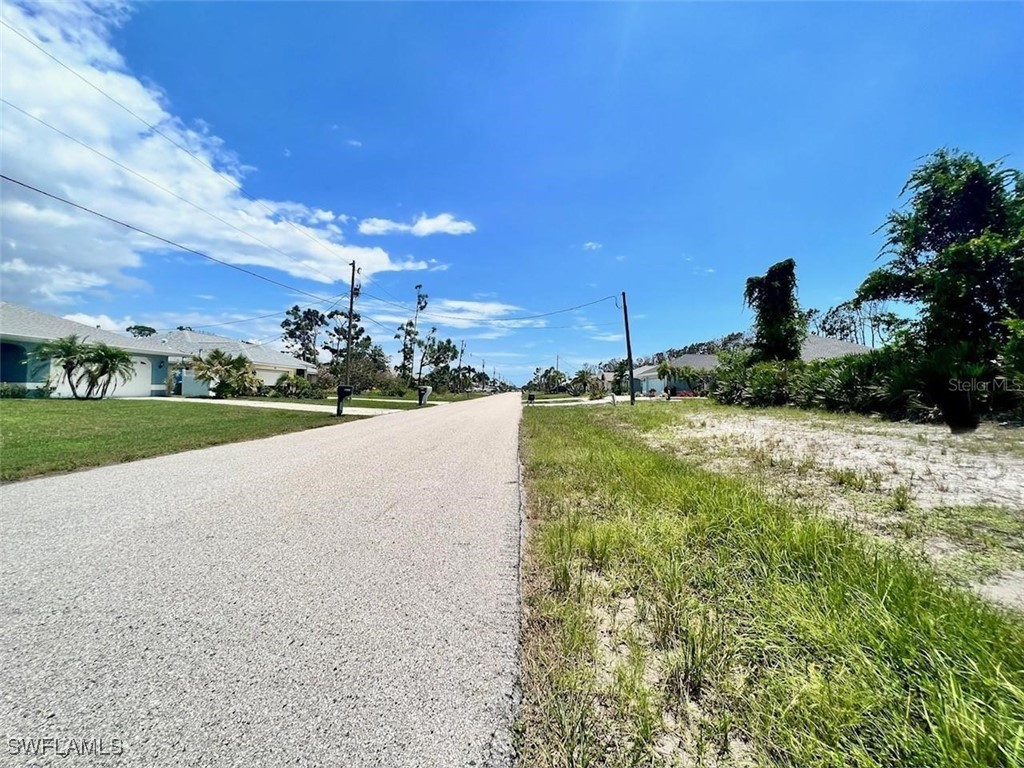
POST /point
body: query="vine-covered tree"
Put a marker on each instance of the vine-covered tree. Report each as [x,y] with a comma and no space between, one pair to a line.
[779,327]
[957,250]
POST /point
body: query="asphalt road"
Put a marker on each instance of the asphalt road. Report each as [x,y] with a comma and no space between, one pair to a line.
[345,596]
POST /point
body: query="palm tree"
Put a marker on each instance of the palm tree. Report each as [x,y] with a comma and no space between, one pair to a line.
[228,375]
[103,364]
[68,354]
[583,379]
[215,369]
[666,371]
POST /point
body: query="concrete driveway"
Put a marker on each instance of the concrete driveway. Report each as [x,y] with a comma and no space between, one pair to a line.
[346,596]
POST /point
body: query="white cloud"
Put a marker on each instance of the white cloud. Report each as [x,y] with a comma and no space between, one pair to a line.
[443,223]
[592,246]
[54,254]
[608,337]
[620,258]
[287,152]
[354,143]
[105,322]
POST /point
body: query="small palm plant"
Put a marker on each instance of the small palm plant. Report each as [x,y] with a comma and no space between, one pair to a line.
[228,375]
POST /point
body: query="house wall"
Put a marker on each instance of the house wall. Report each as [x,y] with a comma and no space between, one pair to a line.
[148,380]
[269,376]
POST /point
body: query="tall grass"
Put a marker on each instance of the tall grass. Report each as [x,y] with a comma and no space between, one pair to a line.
[766,632]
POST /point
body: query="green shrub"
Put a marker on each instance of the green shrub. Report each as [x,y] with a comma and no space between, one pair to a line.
[13,391]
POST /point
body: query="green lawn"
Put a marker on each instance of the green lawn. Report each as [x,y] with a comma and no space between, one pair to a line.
[674,616]
[43,436]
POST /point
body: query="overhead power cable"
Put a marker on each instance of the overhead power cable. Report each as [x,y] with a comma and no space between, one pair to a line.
[234,183]
[159,186]
[141,231]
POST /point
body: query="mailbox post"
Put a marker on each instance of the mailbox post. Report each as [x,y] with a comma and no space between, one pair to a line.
[424,393]
[343,391]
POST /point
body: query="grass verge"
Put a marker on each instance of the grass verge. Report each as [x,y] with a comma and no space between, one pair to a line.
[43,436]
[673,616]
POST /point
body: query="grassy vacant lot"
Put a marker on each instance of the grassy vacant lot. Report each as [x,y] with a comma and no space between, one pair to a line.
[674,616]
[43,436]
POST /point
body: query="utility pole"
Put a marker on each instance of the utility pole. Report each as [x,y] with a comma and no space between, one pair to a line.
[629,350]
[348,344]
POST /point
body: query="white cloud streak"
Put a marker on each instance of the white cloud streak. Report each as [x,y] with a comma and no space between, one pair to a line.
[423,226]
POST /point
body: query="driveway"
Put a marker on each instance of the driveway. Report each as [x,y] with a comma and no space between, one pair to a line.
[345,596]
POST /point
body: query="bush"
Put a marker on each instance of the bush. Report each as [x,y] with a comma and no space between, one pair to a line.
[13,391]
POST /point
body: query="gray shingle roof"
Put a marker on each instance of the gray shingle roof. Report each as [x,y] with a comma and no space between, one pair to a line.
[18,322]
[195,343]
[813,348]
[820,348]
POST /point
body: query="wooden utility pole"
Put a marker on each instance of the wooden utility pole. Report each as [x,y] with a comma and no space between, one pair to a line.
[629,350]
[348,344]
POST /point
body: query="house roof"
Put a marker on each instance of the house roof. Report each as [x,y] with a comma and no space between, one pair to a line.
[813,348]
[22,323]
[820,348]
[188,343]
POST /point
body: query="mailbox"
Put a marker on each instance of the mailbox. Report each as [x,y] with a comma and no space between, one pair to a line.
[344,390]
[424,393]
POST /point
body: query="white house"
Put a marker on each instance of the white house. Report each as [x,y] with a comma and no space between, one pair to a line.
[22,330]
[269,363]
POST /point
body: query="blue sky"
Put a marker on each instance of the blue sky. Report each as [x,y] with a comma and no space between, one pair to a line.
[513,158]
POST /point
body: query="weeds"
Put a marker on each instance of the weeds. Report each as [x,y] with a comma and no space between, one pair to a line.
[807,642]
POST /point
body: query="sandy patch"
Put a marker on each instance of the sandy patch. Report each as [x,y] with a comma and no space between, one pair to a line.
[958,498]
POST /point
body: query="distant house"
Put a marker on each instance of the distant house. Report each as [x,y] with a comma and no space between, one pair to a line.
[23,329]
[813,348]
[270,364]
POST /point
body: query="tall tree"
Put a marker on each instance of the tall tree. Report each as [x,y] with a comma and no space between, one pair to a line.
[408,334]
[336,339]
[958,252]
[301,332]
[779,327]
[140,330]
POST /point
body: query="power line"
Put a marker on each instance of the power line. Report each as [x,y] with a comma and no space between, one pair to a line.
[162,239]
[234,183]
[159,186]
